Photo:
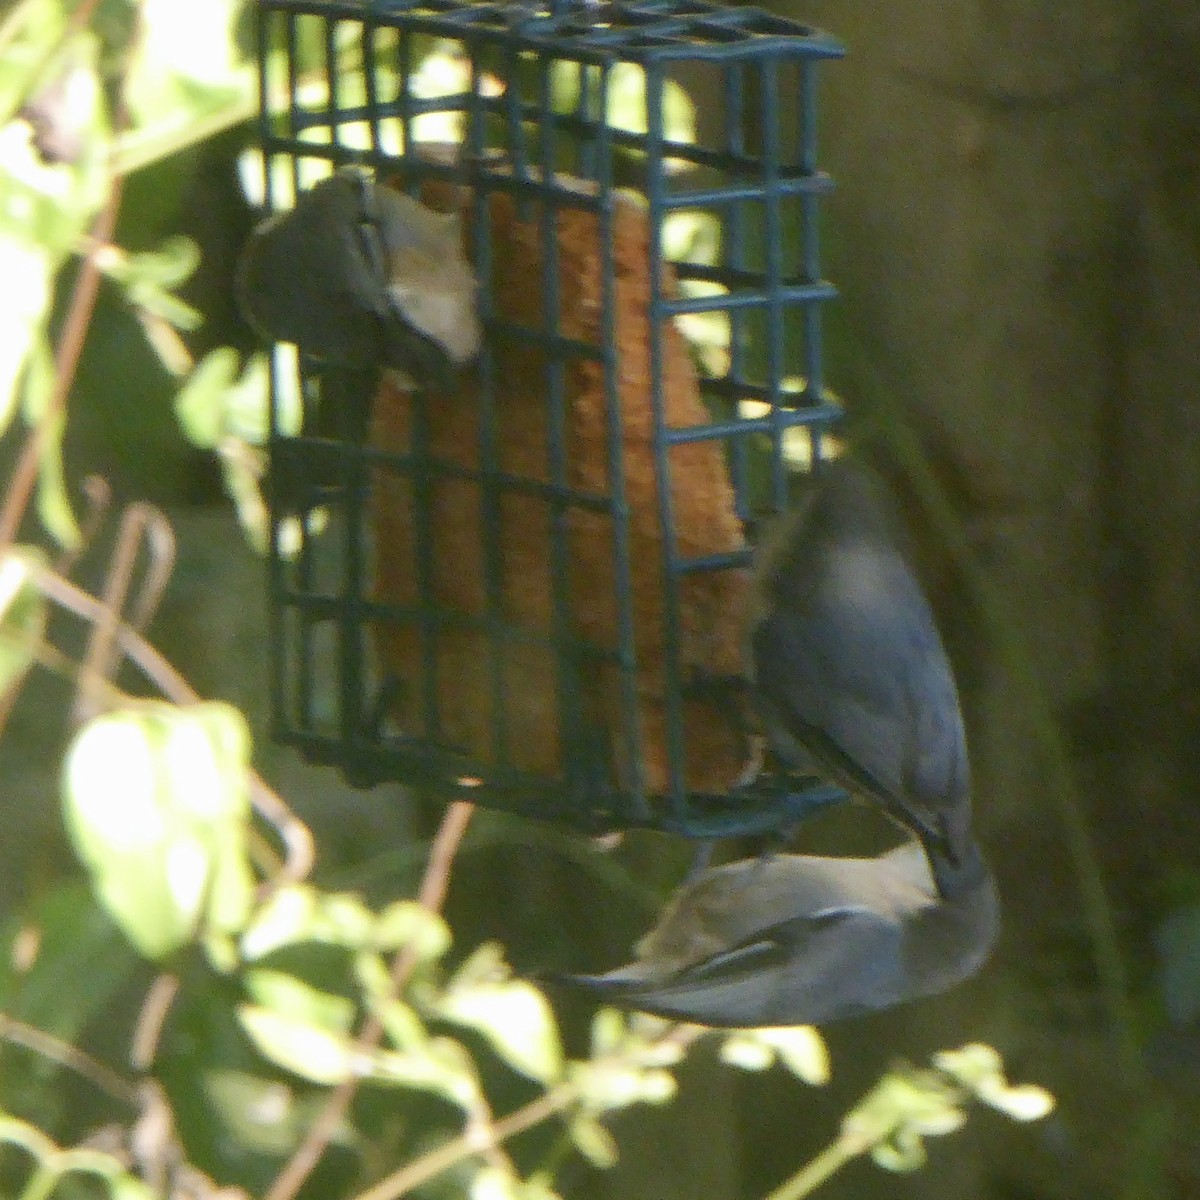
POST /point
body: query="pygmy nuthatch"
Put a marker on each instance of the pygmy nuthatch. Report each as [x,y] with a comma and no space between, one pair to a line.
[798,940]
[850,677]
[362,275]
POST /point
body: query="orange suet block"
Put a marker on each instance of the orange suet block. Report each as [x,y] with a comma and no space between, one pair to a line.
[523,728]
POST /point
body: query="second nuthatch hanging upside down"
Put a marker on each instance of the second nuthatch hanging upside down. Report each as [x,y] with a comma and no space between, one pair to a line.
[850,676]
[792,939]
[519,720]
[360,275]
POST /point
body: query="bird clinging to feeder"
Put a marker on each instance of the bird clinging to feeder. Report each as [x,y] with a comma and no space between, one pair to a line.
[850,676]
[794,939]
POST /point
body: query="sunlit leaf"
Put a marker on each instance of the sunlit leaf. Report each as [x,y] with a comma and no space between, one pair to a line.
[201,402]
[516,1020]
[980,1069]
[32,33]
[626,107]
[27,271]
[801,1049]
[402,1025]
[248,404]
[592,1140]
[412,925]
[287,916]
[608,1031]
[500,1183]
[902,1153]
[611,1084]
[156,805]
[905,1106]
[298,1046]
[289,402]
[693,236]
[441,1066]
[150,276]
[187,62]
[290,997]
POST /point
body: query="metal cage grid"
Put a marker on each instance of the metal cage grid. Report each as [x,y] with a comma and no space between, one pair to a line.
[752,164]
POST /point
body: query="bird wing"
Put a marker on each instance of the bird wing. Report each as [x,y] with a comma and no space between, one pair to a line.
[853,663]
[805,970]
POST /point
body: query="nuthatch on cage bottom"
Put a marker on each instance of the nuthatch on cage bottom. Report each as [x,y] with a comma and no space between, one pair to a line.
[361,275]
[797,940]
[849,675]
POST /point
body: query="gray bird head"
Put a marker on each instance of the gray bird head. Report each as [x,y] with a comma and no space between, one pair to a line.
[797,940]
[849,673]
[361,275]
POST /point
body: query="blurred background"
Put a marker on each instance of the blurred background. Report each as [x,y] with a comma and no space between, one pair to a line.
[1016,237]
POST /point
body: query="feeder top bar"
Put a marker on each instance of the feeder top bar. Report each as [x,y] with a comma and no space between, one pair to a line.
[641,30]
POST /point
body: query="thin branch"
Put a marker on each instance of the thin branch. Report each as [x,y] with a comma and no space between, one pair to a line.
[814,1172]
[71,1057]
[292,832]
[153,1016]
[432,895]
[74,331]
[140,523]
[413,1174]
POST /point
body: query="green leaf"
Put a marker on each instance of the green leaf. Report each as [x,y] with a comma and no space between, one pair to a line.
[53,502]
[501,1183]
[903,1107]
[150,276]
[511,1014]
[626,107]
[27,270]
[22,614]
[979,1068]
[412,925]
[801,1049]
[187,64]
[615,1083]
[200,403]
[257,1114]
[298,1046]
[592,1140]
[156,805]
[903,1153]
[29,34]
[402,1025]
[441,1066]
[290,997]
[53,204]
[248,404]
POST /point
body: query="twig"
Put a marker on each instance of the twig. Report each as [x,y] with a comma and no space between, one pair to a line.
[71,1057]
[292,832]
[139,523]
[98,495]
[471,1143]
[814,1172]
[431,896]
[74,331]
[151,1019]
[413,1174]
